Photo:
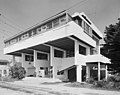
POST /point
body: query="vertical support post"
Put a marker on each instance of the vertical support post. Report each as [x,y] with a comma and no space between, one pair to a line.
[23,63]
[87,71]
[23,60]
[98,71]
[13,60]
[106,71]
[64,55]
[79,69]
[51,61]
[35,63]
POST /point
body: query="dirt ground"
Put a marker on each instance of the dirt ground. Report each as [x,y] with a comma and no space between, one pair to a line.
[38,86]
[5,91]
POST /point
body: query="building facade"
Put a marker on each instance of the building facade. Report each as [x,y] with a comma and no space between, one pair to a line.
[62,46]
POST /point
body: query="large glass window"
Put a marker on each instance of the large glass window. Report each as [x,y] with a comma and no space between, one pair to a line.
[29,58]
[41,56]
[82,50]
[58,53]
[63,19]
[49,25]
[55,22]
[69,54]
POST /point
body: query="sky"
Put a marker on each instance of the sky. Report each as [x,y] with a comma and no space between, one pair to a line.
[18,15]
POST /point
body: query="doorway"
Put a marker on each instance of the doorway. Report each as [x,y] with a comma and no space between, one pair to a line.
[72,74]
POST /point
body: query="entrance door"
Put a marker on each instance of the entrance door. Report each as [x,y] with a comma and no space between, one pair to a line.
[72,74]
[83,73]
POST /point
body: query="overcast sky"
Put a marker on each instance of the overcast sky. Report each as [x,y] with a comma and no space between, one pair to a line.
[20,14]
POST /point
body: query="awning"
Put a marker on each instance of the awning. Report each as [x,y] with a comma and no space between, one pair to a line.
[97,58]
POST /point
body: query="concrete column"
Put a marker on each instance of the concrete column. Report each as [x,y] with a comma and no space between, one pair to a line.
[79,74]
[23,60]
[98,71]
[35,63]
[51,60]
[87,71]
[76,47]
[64,55]
[78,69]
[106,71]
[13,60]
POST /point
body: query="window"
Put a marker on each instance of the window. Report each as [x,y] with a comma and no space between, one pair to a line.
[55,22]
[82,50]
[29,58]
[58,53]
[34,32]
[69,54]
[49,25]
[78,21]
[86,27]
[44,28]
[24,36]
[38,30]
[30,33]
[42,56]
[63,19]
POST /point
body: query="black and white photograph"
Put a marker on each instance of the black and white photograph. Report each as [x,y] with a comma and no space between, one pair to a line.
[59,47]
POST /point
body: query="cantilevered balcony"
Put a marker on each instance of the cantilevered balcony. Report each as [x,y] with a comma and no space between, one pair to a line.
[48,24]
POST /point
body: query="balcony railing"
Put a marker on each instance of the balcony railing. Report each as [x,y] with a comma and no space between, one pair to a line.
[51,23]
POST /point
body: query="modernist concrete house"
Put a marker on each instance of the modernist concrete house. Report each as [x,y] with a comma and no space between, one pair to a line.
[60,46]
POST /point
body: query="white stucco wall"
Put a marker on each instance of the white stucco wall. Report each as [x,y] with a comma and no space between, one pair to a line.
[62,63]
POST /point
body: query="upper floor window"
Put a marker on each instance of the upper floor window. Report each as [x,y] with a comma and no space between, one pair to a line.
[49,25]
[82,50]
[62,19]
[38,30]
[42,56]
[69,54]
[58,53]
[55,22]
[78,20]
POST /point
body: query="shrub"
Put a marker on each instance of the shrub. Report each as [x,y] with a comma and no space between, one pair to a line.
[17,72]
[101,83]
[90,80]
[115,78]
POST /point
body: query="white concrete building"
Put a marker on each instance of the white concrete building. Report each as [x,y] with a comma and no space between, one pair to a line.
[60,46]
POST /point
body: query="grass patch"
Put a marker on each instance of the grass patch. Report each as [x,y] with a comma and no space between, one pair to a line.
[91,86]
[8,79]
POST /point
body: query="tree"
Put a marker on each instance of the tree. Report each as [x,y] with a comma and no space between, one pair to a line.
[17,72]
[111,48]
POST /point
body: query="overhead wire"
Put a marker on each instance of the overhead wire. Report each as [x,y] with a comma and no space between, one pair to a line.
[9,20]
[78,3]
